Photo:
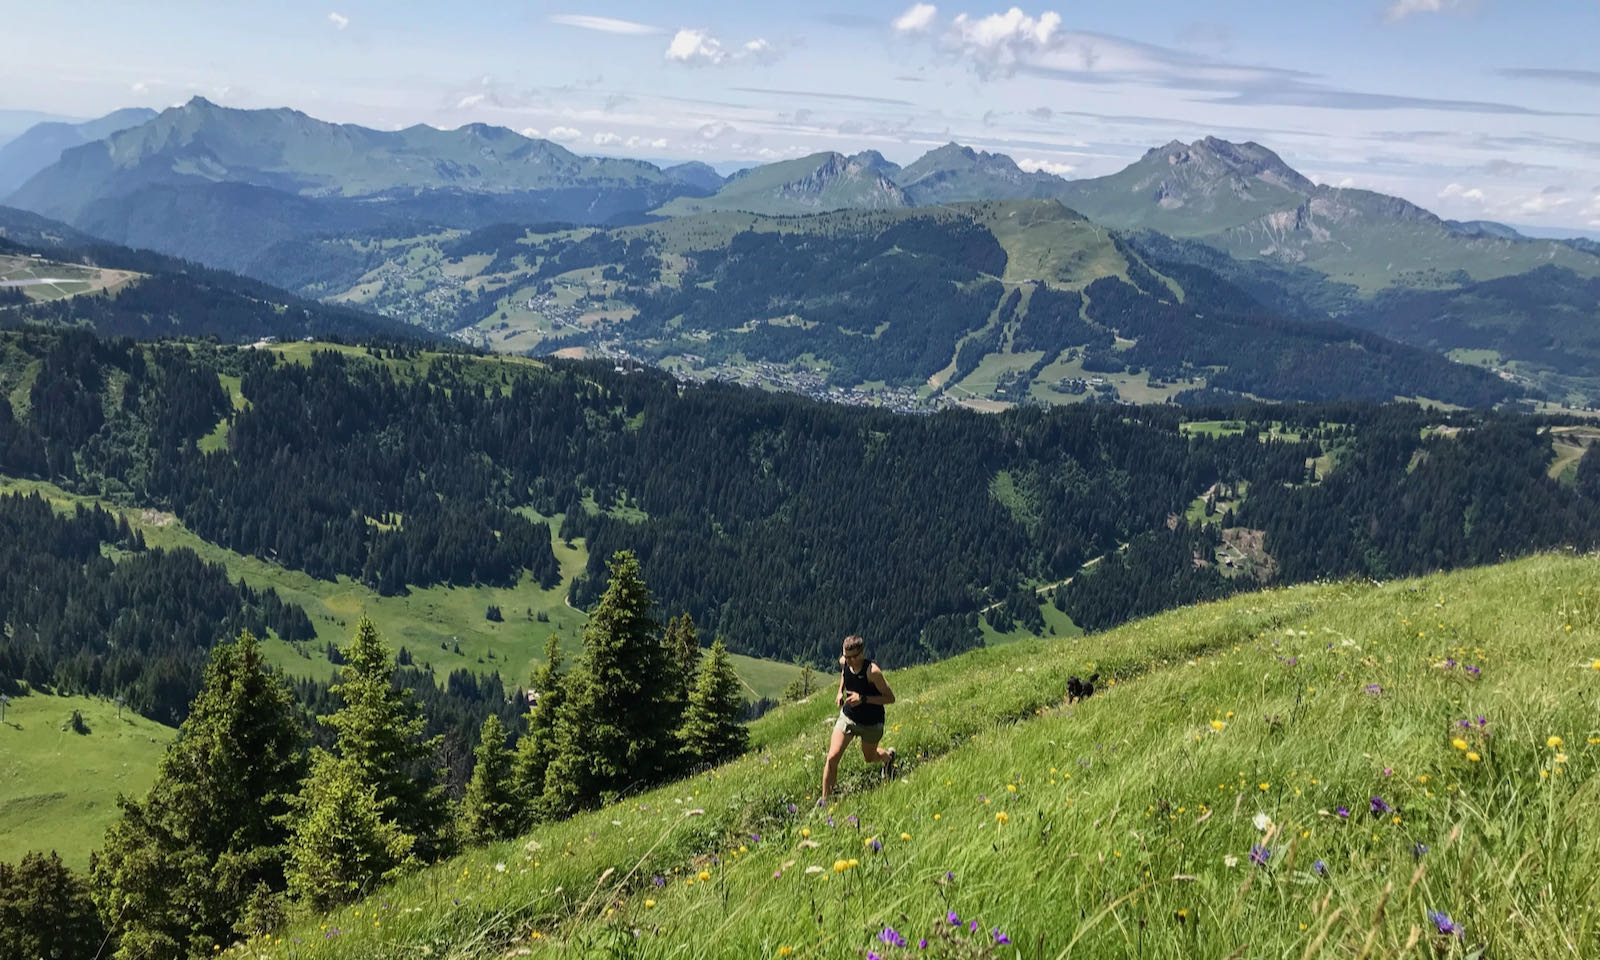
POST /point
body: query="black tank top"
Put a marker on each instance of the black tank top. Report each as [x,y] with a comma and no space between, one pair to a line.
[866,713]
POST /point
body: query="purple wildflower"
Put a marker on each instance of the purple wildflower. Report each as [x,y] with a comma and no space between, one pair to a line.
[793,808]
[922,944]
[659,881]
[1474,670]
[877,845]
[949,877]
[972,927]
[1320,868]
[1464,724]
[1483,721]
[1444,924]
[853,821]
[1449,662]
[873,956]
[1000,938]
[1259,855]
[1373,689]
[952,919]
[1344,813]
[1379,807]
[892,937]
[1418,849]
[755,838]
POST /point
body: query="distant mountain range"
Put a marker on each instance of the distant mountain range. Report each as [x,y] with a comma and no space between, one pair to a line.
[296,201]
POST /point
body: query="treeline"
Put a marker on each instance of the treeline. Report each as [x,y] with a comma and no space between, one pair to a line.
[139,629]
[283,830]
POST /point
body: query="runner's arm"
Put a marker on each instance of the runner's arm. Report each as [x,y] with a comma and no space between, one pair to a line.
[885,695]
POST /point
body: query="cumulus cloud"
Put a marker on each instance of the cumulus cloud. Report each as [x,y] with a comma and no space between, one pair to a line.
[1031,165]
[603,24]
[1401,9]
[470,100]
[532,133]
[716,129]
[140,87]
[339,20]
[917,19]
[1000,42]
[564,134]
[695,48]
[606,139]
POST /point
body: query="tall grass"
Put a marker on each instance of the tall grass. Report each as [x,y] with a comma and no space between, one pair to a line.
[1120,826]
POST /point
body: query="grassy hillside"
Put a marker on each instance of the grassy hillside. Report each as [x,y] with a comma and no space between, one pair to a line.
[1386,751]
[433,623]
[58,788]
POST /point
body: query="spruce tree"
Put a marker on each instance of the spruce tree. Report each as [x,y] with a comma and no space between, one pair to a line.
[537,746]
[616,726]
[380,734]
[346,840]
[45,911]
[180,869]
[489,810]
[711,730]
[682,641]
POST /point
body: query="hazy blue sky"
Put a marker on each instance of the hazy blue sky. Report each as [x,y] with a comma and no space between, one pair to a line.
[1473,108]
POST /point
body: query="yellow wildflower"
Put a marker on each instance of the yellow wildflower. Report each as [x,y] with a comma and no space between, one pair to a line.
[1002,817]
[1217,725]
[1554,741]
[1459,743]
[1473,756]
[705,875]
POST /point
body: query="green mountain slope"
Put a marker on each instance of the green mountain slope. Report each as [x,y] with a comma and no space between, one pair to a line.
[1229,733]
[954,173]
[820,182]
[58,787]
[1243,199]
[289,151]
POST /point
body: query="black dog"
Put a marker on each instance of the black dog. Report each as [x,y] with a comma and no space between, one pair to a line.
[1080,689]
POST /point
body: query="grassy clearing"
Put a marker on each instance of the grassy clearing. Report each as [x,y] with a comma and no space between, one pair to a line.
[433,623]
[1117,827]
[58,788]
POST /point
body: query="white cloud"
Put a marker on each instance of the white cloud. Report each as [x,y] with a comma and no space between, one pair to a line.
[1455,191]
[699,48]
[603,24]
[695,47]
[1401,9]
[339,20]
[141,87]
[658,143]
[532,133]
[918,19]
[999,42]
[606,139]
[1030,165]
[471,100]
[564,134]
[715,129]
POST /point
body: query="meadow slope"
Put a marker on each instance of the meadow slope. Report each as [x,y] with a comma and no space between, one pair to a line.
[1339,770]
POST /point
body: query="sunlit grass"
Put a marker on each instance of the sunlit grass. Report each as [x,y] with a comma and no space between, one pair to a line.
[1120,826]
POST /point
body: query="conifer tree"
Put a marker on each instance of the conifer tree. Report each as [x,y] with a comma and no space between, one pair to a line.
[380,734]
[488,810]
[537,746]
[345,838]
[711,731]
[45,911]
[179,870]
[682,641]
[616,728]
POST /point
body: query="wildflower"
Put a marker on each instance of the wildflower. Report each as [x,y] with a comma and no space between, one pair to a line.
[649,904]
[951,917]
[1011,788]
[1320,868]
[785,950]
[875,844]
[1473,670]
[1379,806]
[1230,861]
[905,836]
[840,866]
[1002,818]
[793,808]
[922,944]
[873,956]
[659,881]
[1554,742]
[1217,725]
[1373,689]
[1472,755]
[1418,849]
[1561,758]
[1442,922]
[972,927]
[892,937]
[1259,855]
[1262,821]
[1343,812]
[805,831]
[705,875]
[1459,743]
[999,937]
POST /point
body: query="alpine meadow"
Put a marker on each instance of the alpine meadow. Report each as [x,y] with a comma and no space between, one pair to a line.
[843,481]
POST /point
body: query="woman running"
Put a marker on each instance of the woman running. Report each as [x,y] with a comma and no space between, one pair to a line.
[863,693]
